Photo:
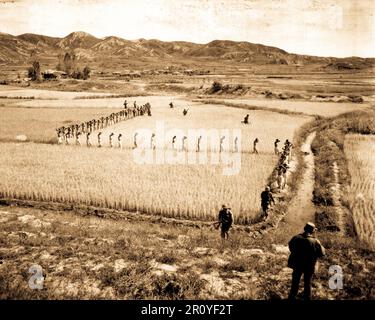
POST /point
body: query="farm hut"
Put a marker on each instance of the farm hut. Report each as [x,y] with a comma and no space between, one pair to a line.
[189,72]
[53,74]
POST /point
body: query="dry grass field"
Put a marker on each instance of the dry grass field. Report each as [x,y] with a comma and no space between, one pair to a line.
[360,150]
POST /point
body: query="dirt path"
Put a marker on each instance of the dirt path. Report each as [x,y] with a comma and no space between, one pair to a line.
[302,209]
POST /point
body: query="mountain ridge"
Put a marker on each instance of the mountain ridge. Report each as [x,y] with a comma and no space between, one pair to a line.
[18,48]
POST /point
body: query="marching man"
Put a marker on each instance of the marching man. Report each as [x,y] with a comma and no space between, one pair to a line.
[59,137]
[135,140]
[110,140]
[77,138]
[174,142]
[152,141]
[99,140]
[277,151]
[236,144]
[67,138]
[199,144]
[119,138]
[221,143]
[88,143]
[255,150]
[183,143]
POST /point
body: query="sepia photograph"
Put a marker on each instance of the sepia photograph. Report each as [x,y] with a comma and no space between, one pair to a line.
[187,150]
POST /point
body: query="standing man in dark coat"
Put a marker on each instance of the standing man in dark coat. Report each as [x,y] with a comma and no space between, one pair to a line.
[225,220]
[305,250]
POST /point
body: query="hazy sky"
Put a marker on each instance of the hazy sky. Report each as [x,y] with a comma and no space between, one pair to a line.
[317,27]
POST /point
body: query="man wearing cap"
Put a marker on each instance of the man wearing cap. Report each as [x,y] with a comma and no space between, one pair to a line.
[225,220]
[305,250]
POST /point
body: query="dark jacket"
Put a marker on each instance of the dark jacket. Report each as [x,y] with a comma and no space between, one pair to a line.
[267,198]
[304,252]
[225,217]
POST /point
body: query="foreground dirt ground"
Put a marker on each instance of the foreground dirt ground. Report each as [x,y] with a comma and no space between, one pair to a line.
[89,257]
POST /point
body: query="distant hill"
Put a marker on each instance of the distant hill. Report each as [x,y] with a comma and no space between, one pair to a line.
[14,48]
[76,40]
[88,47]
[38,39]
[111,44]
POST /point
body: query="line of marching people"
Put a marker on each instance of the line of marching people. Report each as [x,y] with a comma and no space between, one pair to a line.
[74,131]
[280,178]
[183,145]
[180,144]
[283,164]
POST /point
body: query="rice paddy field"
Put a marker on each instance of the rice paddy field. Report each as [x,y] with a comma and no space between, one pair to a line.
[263,125]
[38,120]
[111,177]
[39,125]
[360,150]
[14,92]
[320,108]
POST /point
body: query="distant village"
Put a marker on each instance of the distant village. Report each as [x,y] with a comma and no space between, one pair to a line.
[53,74]
[166,71]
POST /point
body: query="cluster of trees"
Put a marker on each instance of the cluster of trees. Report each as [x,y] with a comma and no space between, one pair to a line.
[84,74]
[68,63]
[216,87]
[219,88]
[34,71]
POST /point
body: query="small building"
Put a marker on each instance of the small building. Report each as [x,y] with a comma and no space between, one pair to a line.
[53,74]
[189,72]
